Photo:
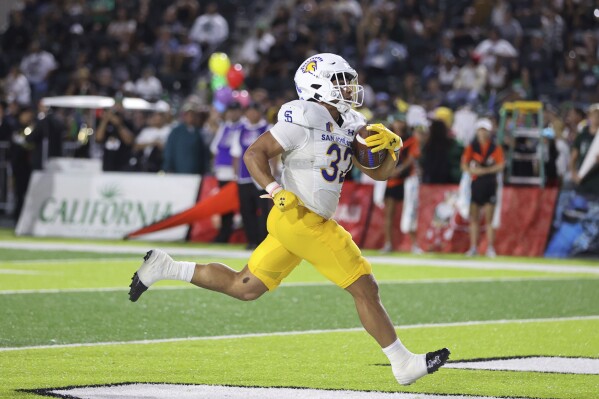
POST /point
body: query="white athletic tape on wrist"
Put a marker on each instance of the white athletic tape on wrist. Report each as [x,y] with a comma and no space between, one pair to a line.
[273,188]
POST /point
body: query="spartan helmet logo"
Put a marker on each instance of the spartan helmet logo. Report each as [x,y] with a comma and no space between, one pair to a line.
[310,66]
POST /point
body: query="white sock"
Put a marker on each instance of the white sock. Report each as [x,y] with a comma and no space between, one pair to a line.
[181,271]
[397,353]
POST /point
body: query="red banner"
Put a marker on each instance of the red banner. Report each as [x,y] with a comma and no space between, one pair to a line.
[376,236]
[526,215]
[353,211]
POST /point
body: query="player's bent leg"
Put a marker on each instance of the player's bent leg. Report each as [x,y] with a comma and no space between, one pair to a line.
[158,265]
[218,277]
[407,367]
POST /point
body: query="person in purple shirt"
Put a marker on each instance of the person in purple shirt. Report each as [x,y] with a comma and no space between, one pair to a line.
[223,161]
[254,210]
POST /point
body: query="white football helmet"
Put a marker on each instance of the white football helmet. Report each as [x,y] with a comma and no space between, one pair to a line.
[324,77]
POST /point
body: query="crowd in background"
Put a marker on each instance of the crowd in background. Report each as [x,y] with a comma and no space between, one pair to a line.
[446,56]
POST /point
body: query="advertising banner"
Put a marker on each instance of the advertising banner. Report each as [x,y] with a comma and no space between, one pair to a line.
[104,205]
[354,209]
[526,214]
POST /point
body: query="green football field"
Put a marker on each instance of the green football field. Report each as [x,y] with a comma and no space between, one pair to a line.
[517,328]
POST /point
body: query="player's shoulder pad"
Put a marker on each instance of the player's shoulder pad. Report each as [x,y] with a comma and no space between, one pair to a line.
[293,112]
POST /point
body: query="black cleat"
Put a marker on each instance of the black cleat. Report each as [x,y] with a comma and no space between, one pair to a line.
[137,288]
[436,359]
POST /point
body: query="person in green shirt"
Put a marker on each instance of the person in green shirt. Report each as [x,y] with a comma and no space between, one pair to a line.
[589,184]
[185,150]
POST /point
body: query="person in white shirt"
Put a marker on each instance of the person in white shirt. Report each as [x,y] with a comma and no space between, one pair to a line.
[314,135]
[210,28]
[148,86]
[37,66]
[17,87]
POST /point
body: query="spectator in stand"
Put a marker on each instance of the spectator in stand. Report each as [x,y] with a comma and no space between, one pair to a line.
[583,148]
[510,29]
[497,77]
[383,57]
[16,38]
[568,79]
[256,46]
[538,61]
[254,210]
[37,66]
[148,86]
[164,50]
[210,29]
[552,26]
[186,150]
[484,160]
[17,87]
[489,49]
[115,133]
[149,143]
[403,186]
[470,82]
[448,72]
[228,131]
[81,83]
[440,154]
[122,29]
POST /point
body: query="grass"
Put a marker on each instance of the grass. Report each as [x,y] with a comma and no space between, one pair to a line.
[90,305]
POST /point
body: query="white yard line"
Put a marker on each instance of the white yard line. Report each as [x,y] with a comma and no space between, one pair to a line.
[304,332]
[20,271]
[240,254]
[301,284]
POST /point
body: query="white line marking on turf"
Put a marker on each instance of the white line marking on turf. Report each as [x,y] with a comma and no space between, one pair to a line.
[540,364]
[20,271]
[302,284]
[304,332]
[239,254]
[182,391]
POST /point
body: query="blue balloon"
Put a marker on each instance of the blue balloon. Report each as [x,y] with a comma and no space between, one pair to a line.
[220,107]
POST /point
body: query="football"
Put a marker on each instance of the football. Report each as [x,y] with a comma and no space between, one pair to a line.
[366,158]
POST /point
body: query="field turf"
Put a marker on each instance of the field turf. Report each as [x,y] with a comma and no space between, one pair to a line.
[66,321]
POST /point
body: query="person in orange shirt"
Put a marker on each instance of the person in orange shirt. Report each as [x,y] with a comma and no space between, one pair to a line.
[403,186]
[484,160]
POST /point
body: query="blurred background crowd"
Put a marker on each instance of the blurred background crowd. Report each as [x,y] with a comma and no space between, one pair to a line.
[453,59]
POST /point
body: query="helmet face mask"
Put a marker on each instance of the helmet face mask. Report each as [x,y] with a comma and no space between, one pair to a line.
[328,78]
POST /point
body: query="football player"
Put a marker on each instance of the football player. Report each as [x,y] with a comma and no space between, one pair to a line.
[314,136]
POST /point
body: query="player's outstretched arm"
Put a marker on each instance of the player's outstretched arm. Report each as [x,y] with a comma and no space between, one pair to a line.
[257,156]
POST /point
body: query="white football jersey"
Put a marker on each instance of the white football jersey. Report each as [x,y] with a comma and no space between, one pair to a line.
[317,152]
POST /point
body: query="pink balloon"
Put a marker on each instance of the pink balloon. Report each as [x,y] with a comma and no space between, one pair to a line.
[242,97]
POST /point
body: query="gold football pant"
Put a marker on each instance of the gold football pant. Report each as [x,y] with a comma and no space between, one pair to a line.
[299,234]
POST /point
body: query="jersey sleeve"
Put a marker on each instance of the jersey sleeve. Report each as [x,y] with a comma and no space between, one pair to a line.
[290,130]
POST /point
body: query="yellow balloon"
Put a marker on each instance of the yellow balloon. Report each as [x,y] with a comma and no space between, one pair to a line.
[219,64]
